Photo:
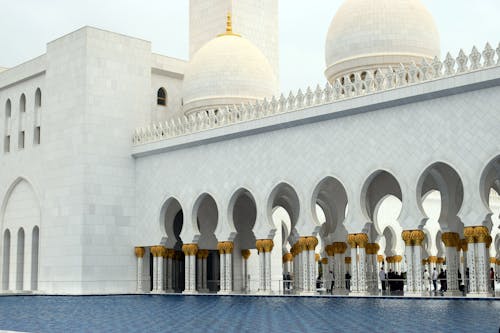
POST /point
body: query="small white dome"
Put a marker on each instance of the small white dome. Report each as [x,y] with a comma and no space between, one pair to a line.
[368,34]
[227,70]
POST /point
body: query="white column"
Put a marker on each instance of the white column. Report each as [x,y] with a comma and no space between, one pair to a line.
[354,270]
[199,269]
[192,272]
[190,251]
[262,276]
[245,274]
[155,269]
[229,273]
[311,270]
[205,274]
[417,269]
[452,271]
[482,268]
[267,271]
[471,262]
[139,253]
[362,287]
[161,265]
[170,274]
[409,268]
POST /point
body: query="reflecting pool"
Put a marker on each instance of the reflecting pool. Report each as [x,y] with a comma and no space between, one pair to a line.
[244,314]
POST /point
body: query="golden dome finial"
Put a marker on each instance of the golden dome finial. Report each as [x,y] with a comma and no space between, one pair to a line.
[229,27]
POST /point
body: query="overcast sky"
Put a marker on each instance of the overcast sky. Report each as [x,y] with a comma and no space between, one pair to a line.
[27,25]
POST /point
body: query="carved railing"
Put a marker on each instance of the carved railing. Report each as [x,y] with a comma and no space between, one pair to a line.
[356,84]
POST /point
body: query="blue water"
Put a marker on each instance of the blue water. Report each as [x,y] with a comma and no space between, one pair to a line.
[244,314]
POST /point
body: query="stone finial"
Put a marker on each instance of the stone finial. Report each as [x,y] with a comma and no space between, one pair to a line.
[437,67]
[449,65]
[379,80]
[318,95]
[309,97]
[462,61]
[300,99]
[475,59]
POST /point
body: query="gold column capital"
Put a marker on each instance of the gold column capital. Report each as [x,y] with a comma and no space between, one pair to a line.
[348,260]
[398,259]
[433,259]
[339,247]
[489,240]
[406,235]
[324,261]
[190,249]
[481,234]
[450,239]
[245,254]
[470,235]
[493,260]
[463,245]
[287,257]
[310,243]
[351,240]
[440,260]
[329,250]
[268,245]
[380,258]
[417,237]
[139,252]
[317,257]
[361,240]
[225,247]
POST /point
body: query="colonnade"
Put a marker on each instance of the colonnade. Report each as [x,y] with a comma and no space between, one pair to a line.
[363,264]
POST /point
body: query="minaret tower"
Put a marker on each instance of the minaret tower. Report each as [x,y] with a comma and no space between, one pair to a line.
[256,20]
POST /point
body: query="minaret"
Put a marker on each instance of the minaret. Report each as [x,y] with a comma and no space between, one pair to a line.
[256,20]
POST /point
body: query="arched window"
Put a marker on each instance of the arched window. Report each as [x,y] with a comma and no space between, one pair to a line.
[161,97]
[38,98]
[22,115]
[37,127]
[22,103]
[8,116]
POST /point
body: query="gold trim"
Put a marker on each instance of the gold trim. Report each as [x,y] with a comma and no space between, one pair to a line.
[139,252]
[229,27]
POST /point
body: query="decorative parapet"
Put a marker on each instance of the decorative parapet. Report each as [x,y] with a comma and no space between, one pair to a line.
[354,85]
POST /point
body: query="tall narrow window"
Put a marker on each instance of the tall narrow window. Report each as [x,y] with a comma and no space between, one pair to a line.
[22,120]
[8,117]
[21,140]
[37,124]
[162,97]
[22,104]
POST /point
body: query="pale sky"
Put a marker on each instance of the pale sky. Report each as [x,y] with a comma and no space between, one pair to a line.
[27,25]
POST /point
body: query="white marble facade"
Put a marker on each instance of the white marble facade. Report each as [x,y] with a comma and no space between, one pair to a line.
[93,165]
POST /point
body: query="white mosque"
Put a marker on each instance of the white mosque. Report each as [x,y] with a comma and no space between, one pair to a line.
[126,171]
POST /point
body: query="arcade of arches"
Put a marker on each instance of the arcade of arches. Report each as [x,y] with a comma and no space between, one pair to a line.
[241,263]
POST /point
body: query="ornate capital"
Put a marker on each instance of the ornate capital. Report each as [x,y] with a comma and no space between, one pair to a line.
[351,240]
[390,259]
[440,260]
[450,239]
[287,257]
[481,234]
[190,249]
[310,243]
[225,247]
[398,259]
[268,245]
[380,258]
[259,245]
[245,254]
[470,235]
[329,249]
[361,240]
[139,252]
[493,260]
[372,248]
[463,245]
[317,257]
[433,259]
[489,240]
[348,260]
[406,235]
[324,261]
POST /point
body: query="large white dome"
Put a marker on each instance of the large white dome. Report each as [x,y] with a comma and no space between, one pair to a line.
[368,34]
[227,70]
